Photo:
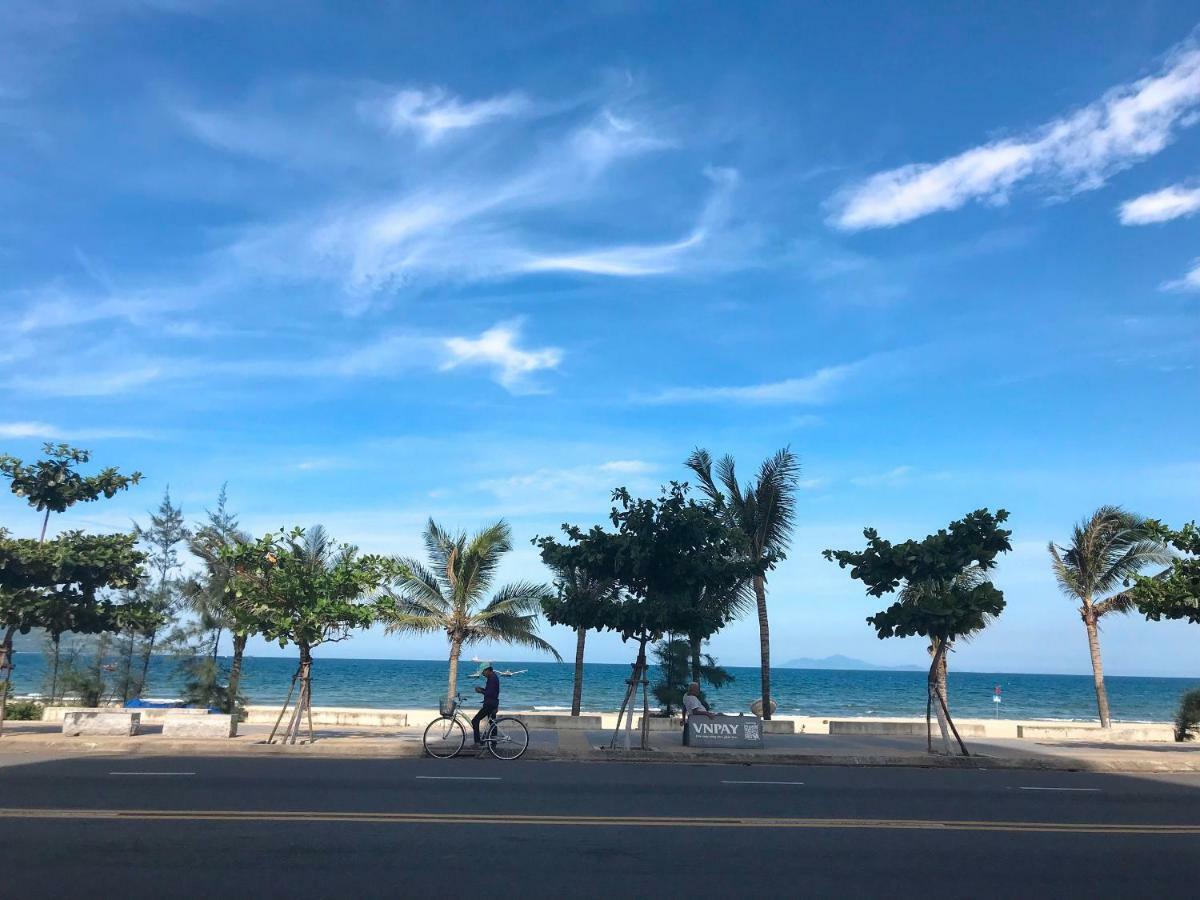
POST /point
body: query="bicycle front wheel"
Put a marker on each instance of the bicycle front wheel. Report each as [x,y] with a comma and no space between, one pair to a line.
[444,737]
[508,739]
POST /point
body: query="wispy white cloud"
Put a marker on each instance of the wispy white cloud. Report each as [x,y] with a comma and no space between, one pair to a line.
[46,432]
[1077,152]
[477,215]
[647,259]
[896,477]
[588,485]
[819,387]
[435,113]
[497,350]
[1170,203]
[1189,282]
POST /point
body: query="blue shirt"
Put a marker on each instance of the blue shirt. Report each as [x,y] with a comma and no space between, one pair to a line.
[491,690]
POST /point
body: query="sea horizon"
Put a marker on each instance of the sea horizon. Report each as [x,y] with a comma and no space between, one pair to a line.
[416,683]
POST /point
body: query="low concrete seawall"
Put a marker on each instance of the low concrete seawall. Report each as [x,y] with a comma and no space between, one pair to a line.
[148,714]
[338,715]
[1131,734]
[906,729]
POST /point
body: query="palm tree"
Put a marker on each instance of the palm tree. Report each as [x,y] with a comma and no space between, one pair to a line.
[581,590]
[449,595]
[1107,550]
[765,510]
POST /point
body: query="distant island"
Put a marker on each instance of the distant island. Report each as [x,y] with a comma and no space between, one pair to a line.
[838,661]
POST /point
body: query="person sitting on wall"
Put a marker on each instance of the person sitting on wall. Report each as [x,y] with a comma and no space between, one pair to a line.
[693,705]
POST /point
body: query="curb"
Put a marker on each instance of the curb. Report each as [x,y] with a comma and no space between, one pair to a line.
[391,748]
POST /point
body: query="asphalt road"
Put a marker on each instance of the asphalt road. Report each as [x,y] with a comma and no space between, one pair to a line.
[153,826]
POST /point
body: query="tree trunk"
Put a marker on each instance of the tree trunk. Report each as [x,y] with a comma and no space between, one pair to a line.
[217,645]
[54,677]
[235,670]
[45,522]
[1089,621]
[764,643]
[455,650]
[577,693]
[695,659]
[127,679]
[141,685]
[5,670]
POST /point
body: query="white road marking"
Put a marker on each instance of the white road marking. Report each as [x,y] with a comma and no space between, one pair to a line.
[1077,790]
[762,782]
[151,773]
[457,778]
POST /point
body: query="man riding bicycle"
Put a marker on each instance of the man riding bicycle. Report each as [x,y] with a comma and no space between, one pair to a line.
[491,699]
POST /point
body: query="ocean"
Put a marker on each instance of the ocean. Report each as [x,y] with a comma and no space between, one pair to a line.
[398,683]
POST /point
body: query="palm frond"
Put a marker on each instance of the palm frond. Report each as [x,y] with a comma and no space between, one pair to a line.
[701,463]
[423,585]
[775,492]
[481,558]
[1117,603]
[515,630]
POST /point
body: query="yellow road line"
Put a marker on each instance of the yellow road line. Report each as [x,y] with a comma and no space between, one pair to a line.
[419,818]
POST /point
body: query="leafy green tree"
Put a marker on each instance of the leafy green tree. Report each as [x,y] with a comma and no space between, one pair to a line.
[662,555]
[946,595]
[1107,551]
[765,511]
[302,588]
[54,484]
[580,595]
[671,658]
[450,594]
[62,584]
[1175,592]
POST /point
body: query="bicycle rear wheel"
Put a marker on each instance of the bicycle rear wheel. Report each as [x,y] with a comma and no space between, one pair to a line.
[444,737]
[508,739]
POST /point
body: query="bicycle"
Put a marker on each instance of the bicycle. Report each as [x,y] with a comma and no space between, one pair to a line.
[445,736]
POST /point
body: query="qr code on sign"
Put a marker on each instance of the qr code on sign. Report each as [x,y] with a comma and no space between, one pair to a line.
[751,732]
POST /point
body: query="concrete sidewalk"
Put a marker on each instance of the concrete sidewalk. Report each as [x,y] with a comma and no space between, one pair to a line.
[802,749]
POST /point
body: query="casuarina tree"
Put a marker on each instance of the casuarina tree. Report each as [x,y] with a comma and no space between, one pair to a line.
[453,593]
[944,594]
[765,511]
[1107,551]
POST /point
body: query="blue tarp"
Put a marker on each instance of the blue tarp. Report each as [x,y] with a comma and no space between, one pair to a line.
[154,704]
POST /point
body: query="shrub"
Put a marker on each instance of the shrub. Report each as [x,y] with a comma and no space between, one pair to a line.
[23,710]
[1187,720]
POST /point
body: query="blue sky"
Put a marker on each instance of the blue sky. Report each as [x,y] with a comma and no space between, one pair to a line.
[478,261]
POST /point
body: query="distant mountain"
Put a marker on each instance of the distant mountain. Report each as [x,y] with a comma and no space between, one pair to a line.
[838,661]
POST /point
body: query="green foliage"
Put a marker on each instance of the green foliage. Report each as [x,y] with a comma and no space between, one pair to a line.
[672,658]
[450,594]
[671,560]
[58,585]
[300,587]
[1187,720]
[1175,592]
[951,602]
[23,710]
[54,484]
